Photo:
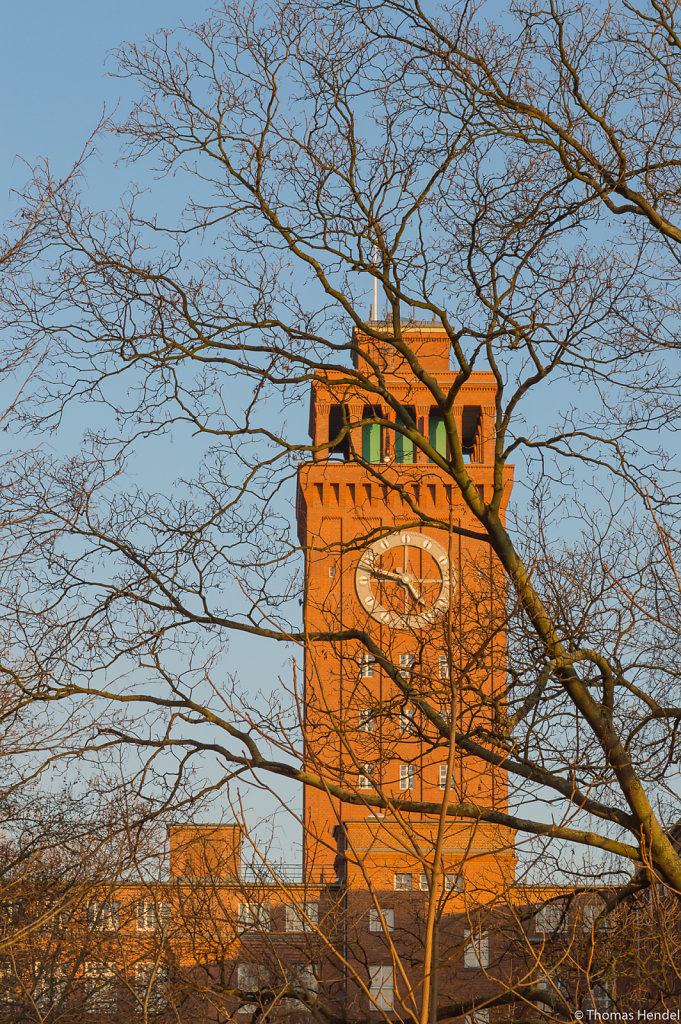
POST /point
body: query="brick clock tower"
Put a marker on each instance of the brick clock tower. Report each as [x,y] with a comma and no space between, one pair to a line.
[428,598]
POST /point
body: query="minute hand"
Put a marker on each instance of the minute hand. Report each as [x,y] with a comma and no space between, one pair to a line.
[404,581]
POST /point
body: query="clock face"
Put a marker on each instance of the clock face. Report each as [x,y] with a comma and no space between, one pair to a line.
[403,580]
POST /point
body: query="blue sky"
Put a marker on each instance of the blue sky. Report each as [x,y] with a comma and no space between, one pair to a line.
[55,82]
[53,74]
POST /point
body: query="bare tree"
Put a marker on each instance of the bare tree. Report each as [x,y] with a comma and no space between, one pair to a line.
[514,183]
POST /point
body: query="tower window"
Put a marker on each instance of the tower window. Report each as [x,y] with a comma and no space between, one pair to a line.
[407,726]
[366,720]
[443,778]
[444,667]
[366,779]
[366,666]
[338,418]
[407,776]
[471,419]
[407,662]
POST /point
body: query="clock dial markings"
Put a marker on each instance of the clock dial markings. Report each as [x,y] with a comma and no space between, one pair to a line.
[402,591]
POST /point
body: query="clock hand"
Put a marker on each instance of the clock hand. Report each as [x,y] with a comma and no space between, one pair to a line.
[386,575]
[413,591]
[400,578]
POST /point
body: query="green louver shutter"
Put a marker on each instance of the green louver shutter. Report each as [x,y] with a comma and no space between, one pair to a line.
[436,433]
[371,442]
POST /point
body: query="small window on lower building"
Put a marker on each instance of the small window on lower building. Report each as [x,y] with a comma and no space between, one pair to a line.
[304,980]
[49,985]
[402,881]
[423,882]
[151,987]
[383,921]
[477,1017]
[303,917]
[601,996]
[254,916]
[103,915]
[476,949]
[551,919]
[100,986]
[151,915]
[407,776]
[381,986]
[453,882]
[251,979]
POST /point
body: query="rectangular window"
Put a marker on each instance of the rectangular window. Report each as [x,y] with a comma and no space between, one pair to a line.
[407,725]
[378,925]
[151,916]
[407,776]
[49,985]
[254,916]
[601,997]
[476,950]
[446,711]
[100,986]
[10,912]
[304,981]
[423,882]
[366,780]
[453,882]
[366,720]
[443,778]
[102,915]
[303,918]
[366,666]
[407,662]
[477,1017]
[443,667]
[551,919]
[402,882]
[381,986]
[151,987]
[251,979]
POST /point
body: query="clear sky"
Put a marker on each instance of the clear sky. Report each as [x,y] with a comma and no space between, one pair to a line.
[54,64]
[53,73]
